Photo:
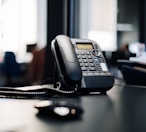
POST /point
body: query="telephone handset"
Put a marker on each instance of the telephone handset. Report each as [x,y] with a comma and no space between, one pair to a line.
[69,69]
[81,65]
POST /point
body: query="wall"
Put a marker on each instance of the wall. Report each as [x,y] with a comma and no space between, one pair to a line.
[128,15]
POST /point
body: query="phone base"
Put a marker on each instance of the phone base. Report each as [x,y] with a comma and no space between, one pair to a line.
[98,83]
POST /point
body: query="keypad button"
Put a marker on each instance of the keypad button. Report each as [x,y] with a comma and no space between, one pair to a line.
[78,56]
[90,60]
[92,64]
[84,68]
[92,69]
[86,65]
[83,56]
[89,56]
[84,60]
[81,64]
[80,60]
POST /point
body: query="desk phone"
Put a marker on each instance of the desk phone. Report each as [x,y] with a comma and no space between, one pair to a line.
[81,65]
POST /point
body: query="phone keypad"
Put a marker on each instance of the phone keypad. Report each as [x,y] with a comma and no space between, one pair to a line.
[91,62]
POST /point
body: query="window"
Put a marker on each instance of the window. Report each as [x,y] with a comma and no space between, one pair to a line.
[19,25]
[98,20]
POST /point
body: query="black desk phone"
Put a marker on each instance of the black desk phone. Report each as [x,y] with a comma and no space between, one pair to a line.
[80,65]
[80,68]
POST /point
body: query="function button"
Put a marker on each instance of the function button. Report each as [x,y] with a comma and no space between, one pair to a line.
[107,73]
[96,73]
[99,70]
[96,46]
[96,52]
[101,59]
[97,64]
[82,53]
[87,52]
[96,60]
[102,73]
[90,73]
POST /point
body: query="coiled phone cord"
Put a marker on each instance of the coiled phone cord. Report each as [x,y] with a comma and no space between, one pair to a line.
[36,91]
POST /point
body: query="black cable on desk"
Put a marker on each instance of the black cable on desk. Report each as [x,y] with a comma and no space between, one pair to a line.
[32,91]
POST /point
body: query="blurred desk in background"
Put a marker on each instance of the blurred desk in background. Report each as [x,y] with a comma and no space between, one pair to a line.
[141,59]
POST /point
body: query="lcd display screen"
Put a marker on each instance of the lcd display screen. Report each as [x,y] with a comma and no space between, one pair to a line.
[83,46]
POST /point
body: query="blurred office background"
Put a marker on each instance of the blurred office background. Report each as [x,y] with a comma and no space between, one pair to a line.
[27,28]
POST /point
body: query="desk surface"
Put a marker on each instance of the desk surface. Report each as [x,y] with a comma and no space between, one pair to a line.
[121,110]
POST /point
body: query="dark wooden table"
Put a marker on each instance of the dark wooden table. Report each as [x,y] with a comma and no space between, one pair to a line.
[123,109]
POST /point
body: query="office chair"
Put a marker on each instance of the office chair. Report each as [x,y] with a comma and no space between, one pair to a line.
[134,73]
